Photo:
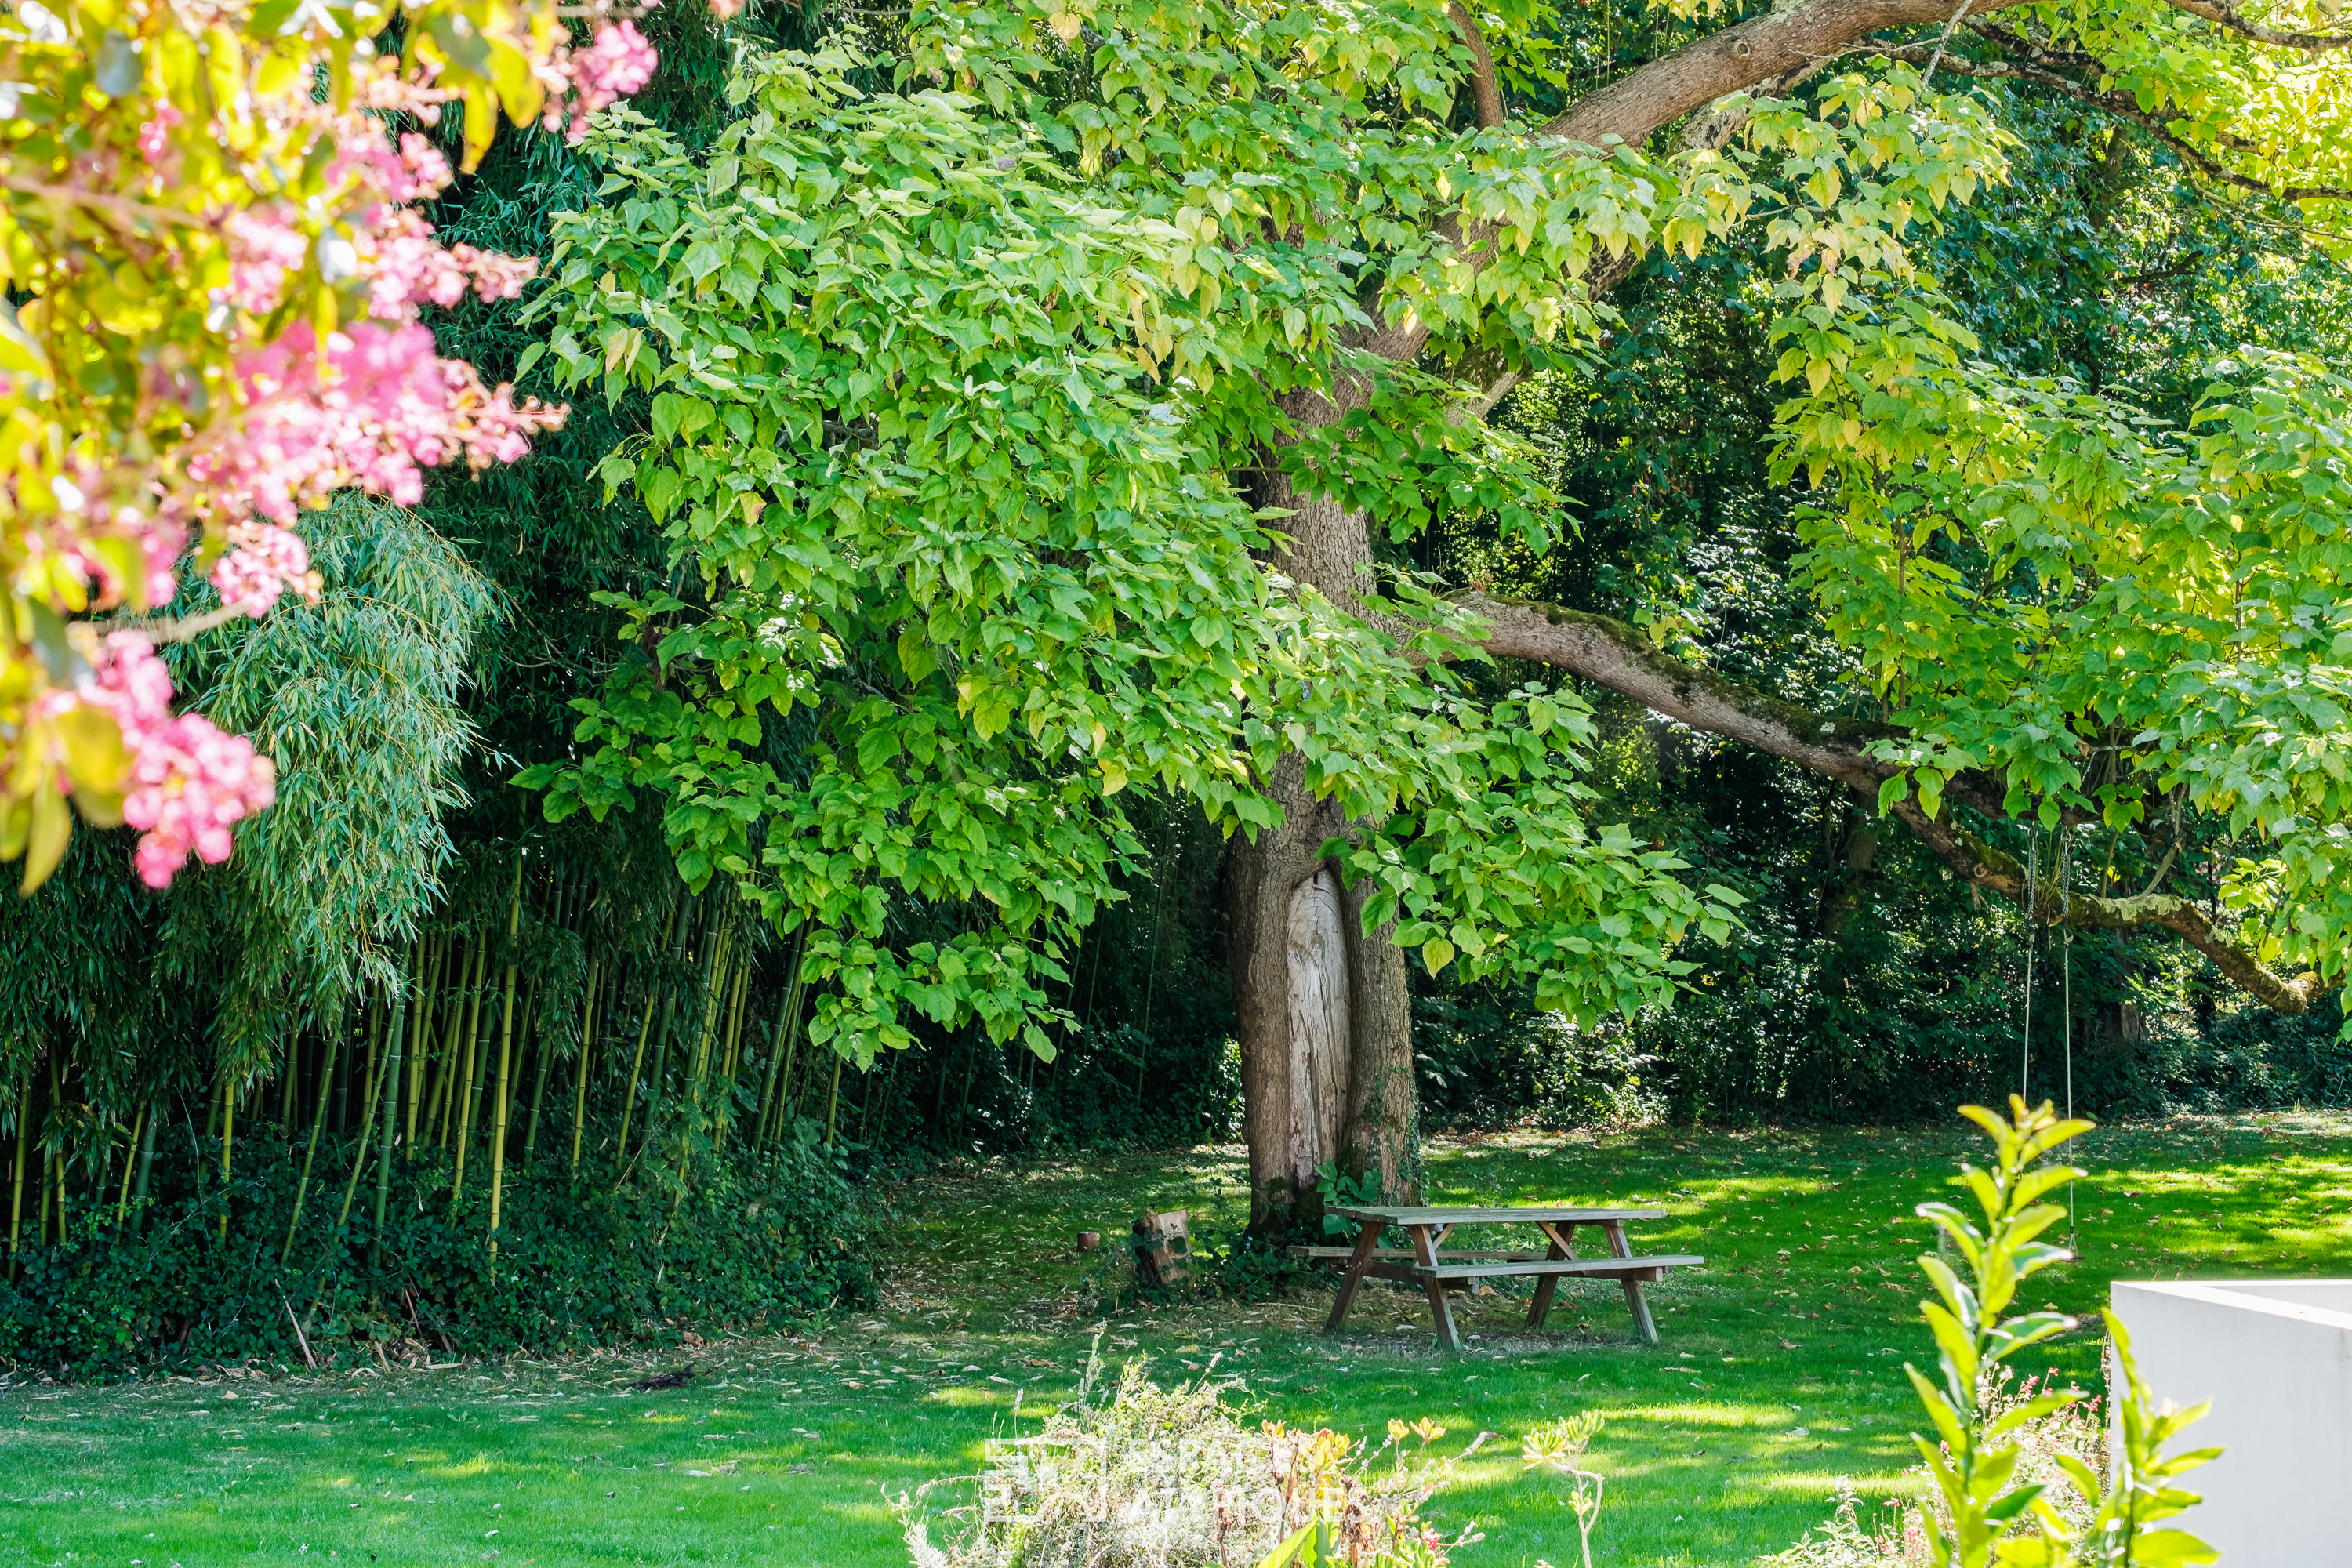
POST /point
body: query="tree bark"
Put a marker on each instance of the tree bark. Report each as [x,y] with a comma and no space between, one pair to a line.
[1849,874]
[1324,1008]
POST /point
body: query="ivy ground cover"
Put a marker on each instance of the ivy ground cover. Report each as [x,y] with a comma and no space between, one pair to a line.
[1778,1369]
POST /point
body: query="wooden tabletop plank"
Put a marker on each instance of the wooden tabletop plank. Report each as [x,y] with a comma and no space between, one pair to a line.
[1527,1213]
[1554,1265]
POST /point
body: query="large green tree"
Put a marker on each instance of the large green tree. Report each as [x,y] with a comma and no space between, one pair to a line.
[1029,396]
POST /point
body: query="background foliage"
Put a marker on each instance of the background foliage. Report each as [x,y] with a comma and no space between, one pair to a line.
[1863,985]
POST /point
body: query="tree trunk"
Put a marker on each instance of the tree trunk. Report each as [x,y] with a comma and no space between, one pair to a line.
[1850,874]
[1323,1006]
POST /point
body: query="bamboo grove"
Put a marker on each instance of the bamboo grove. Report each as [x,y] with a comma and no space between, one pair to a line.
[541,1053]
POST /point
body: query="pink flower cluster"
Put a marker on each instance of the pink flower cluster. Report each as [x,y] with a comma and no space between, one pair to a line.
[262,561]
[378,409]
[428,172]
[369,406]
[155,133]
[263,248]
[84,520]
[189,781]
[618,62]
[406,269]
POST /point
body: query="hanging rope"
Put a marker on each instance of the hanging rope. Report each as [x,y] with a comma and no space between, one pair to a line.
[2025,1062]
[2067,999]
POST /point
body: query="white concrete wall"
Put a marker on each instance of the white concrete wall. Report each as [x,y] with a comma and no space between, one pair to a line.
[2275,1358]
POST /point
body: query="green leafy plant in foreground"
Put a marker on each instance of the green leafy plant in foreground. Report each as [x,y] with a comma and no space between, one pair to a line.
[1983,1514]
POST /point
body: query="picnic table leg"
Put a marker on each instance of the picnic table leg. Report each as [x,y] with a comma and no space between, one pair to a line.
[1425,1252]
[1367,1239]
[1560,1236]
[1646,1330]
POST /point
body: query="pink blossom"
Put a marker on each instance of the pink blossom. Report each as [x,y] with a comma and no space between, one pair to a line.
[496,277]
[263,561]
[155,133]
[262,249]
[616,64]
[73,536]
[384,408]
[369,406]
[406,268]
[429,170]
[189,781]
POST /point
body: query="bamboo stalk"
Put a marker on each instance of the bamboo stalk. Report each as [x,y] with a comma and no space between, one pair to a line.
[832,1102]
[16,1180]
[731,1057]
[714,980]
[229,1140]
[465,1109]
[368,1077]
[587,1034]
[422,1009]
[733,1051]
[130,1152]
[505,1044]
[400,1009]
[714,972]
[536,1026]
[656,1084]
[889,1081]
[443,1110]
[780,1051]
[146,1163]
[478,1078]
[439,1040]
[318,1125]
[682,919]
[629,1095]
[53,1174]
[343,1100]
[370,1091]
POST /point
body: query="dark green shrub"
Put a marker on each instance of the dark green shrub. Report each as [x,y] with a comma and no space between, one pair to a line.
[764,1240]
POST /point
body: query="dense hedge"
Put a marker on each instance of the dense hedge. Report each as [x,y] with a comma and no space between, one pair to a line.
[759,1243]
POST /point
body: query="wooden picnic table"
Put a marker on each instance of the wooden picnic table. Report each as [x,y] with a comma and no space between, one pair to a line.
[1423,1261]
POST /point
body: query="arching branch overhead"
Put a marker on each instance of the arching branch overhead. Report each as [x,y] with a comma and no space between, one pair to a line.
[1612,654]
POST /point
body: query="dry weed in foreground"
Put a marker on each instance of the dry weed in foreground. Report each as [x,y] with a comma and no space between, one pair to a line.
[1177,1478]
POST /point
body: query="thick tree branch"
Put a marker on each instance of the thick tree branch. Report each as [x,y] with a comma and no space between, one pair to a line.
[1485,91]
[1612,654]
[1983,866]
[2120,105]
[1788,38]
[2227,15]
[1791,41]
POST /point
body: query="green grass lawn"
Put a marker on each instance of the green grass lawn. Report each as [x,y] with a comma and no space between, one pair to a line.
[1778,1369]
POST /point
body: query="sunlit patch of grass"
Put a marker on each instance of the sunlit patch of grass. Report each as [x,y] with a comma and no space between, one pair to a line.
[1809,1283]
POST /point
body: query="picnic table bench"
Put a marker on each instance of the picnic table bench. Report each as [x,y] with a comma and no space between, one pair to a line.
[1423,1261]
